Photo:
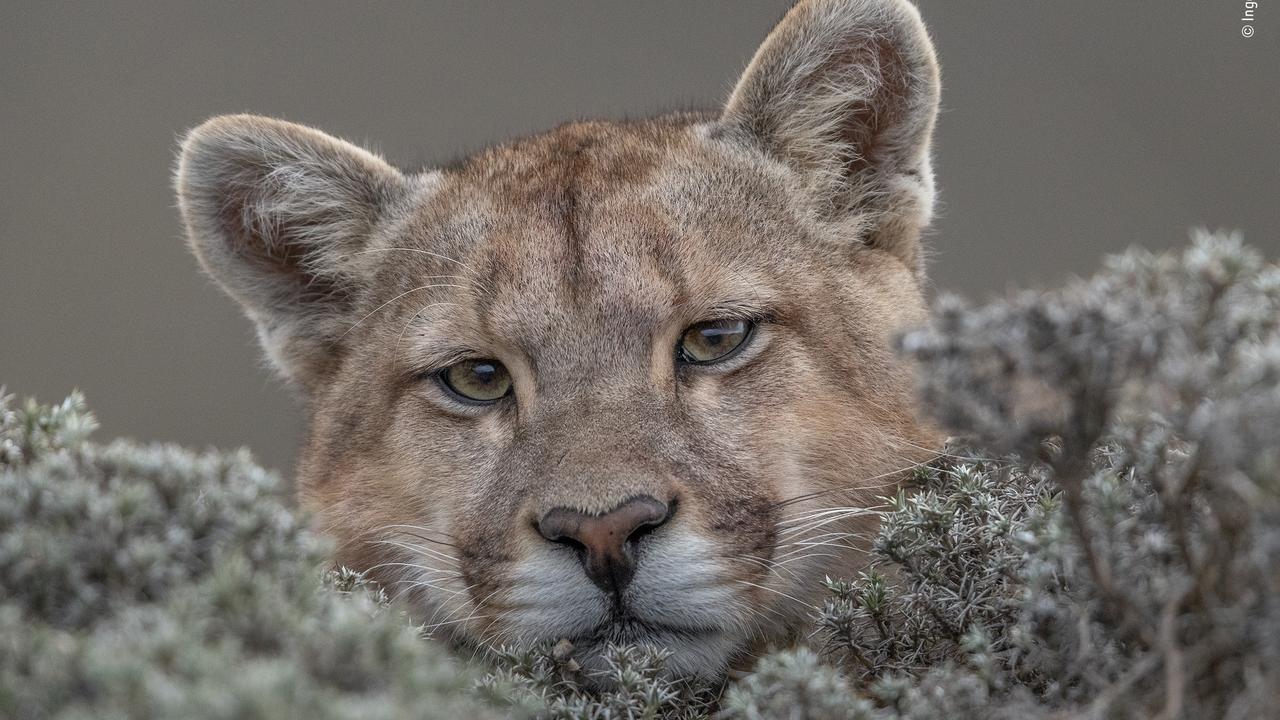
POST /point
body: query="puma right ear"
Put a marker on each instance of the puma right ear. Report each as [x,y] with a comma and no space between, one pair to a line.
[274,212]
[846,92]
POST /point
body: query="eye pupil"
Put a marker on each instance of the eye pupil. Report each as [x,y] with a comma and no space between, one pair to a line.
[714,340]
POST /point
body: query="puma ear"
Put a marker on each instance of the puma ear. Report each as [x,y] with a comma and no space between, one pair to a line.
[846,92]
[274,211]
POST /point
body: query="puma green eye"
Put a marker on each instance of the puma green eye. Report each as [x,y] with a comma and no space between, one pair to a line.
[479,381]
[712,341]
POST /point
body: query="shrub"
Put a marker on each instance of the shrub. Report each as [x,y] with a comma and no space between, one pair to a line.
[1125,560]
[153,582]
[1102,540]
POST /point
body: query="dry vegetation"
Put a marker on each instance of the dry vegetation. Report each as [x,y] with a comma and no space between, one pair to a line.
[1103,542]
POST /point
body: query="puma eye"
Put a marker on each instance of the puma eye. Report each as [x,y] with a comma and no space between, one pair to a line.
[714,340]
[480,381]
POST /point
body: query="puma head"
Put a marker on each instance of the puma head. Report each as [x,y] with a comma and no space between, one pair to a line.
[622,382]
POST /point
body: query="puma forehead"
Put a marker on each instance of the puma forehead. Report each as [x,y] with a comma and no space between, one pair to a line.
[616,382]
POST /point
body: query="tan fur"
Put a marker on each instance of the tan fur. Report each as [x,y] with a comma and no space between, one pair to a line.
[577,258]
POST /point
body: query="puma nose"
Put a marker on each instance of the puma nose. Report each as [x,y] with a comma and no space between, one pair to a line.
[604,542]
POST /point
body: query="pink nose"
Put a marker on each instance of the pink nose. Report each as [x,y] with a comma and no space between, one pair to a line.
[605,541]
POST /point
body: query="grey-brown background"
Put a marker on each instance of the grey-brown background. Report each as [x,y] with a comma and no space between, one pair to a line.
[1070,129]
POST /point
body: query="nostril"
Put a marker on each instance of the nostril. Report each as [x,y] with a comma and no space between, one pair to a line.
[641,531]
[655,521]
[561,525]
[571,542]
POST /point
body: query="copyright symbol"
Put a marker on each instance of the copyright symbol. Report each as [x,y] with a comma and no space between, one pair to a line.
[1246,30]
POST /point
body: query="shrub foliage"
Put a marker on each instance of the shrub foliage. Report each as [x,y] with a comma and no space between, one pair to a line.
[1100,539]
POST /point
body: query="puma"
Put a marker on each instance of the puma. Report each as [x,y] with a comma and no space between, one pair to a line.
[619,382]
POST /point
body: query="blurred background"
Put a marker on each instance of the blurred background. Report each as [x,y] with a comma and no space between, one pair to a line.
[1069,130]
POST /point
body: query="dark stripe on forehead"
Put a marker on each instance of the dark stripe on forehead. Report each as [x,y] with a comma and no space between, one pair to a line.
[569,226]
[573,162]
[583,167]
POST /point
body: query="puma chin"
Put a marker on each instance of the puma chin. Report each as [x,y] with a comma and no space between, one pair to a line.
[620,382]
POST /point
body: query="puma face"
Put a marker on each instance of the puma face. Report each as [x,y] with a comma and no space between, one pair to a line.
[618,382]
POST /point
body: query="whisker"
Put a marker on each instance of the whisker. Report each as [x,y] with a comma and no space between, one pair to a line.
[420,529]
[419,583]
[442,604]
[848,488]
[784,558]
[843,511]
[415,316]
[775,591]
[806,557]
[413,566]
[477,607]
[419,549]
[822,539]
[813,513]
[766,565]
[438,256]
[823,522]
[828,534]
[792,550]
[378,309]
[952,456]
[469,618]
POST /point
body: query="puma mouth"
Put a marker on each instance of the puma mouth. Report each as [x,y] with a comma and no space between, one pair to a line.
[628,629]
[691,651]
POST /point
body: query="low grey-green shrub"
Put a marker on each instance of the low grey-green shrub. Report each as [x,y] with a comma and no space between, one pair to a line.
[154,582]
[1120,557]
[1102,540]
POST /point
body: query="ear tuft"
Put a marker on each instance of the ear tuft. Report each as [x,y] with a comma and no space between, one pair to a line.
[272,209]
[846,93]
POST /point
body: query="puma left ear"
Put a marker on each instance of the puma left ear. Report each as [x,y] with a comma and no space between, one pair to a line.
[846,92]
